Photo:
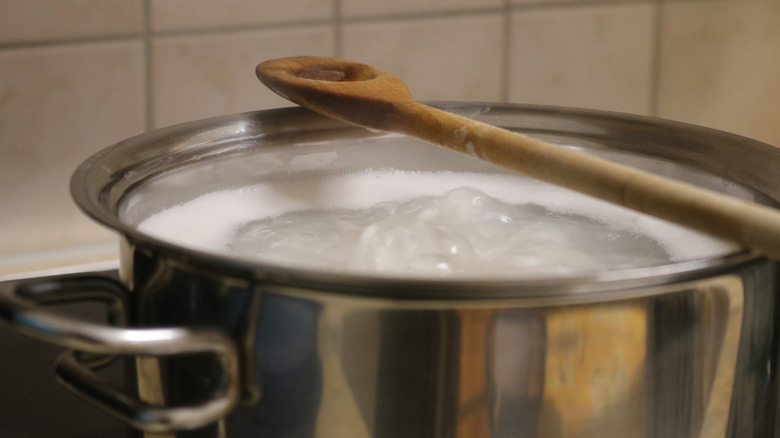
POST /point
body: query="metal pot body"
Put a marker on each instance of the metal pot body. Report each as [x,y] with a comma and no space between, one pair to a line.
[693,358]
[223,347]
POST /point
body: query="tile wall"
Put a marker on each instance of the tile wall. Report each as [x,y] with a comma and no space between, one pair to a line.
[79,75]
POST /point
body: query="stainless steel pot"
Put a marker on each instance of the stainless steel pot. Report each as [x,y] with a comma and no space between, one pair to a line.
[227,347]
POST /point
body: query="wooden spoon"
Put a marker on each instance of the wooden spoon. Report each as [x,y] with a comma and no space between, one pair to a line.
[372,98]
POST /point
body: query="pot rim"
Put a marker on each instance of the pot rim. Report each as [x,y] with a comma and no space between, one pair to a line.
[100,182]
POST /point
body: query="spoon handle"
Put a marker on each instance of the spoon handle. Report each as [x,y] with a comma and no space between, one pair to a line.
[752,225]
[370,97]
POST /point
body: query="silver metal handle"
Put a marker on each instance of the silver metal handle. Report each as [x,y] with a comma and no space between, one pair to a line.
[20,308]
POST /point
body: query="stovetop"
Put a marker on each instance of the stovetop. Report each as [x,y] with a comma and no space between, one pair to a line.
[32,403]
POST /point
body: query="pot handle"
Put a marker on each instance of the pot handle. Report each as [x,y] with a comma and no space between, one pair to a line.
[92,345]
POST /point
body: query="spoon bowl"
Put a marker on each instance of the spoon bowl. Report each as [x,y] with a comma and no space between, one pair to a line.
[344,90]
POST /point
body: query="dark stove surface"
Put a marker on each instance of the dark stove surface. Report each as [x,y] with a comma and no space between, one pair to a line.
[33,404]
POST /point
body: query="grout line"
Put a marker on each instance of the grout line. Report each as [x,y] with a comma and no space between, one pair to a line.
[149,66]
[655,74]
[575,4]
[68,41]
[148,32]
[424,15]
[243,28]
[506,51]
[338,37]
[505,8]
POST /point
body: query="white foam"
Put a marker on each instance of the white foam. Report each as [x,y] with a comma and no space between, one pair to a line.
[210,222]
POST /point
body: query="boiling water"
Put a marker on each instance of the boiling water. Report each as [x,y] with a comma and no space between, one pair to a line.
[427,224]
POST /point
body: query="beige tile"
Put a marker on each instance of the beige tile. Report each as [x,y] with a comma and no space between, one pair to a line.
[37,20]
[720,66]
[589,56]
[59,105]
[199,14]
[208,75]
[456,58]
[362,8]
[545,2]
